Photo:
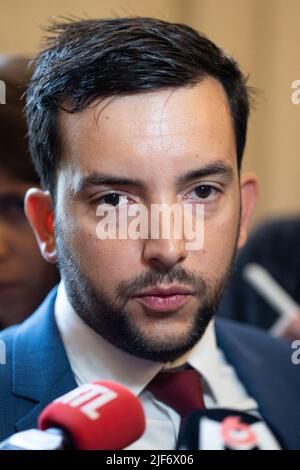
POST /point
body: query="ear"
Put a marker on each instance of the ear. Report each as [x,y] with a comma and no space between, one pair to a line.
[40,214]
[249,192]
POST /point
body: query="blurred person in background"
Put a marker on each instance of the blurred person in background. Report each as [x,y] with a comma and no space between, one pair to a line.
[274,247]
[25,277]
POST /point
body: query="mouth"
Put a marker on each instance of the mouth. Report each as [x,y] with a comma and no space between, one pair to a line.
[165,299]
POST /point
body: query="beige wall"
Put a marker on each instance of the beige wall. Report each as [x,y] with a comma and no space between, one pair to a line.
[264,35]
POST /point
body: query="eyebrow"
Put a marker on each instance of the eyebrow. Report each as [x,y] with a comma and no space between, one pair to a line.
[98,179]
[213,169]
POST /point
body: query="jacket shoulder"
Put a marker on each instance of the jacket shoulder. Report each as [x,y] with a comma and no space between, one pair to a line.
[252,342]
[12,406]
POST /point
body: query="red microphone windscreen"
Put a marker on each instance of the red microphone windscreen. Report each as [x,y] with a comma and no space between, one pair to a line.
[97,416]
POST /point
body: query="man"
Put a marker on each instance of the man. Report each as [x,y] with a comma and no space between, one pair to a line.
[140,112]
[25,277]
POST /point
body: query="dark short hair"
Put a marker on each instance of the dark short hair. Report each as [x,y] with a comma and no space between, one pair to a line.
[15,157]
[92,59]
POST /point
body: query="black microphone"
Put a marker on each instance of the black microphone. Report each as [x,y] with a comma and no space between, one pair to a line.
[224,429]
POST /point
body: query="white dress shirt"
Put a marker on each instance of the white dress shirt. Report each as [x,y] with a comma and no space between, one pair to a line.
[93,358]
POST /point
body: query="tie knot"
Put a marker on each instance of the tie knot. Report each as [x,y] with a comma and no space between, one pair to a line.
[181,390]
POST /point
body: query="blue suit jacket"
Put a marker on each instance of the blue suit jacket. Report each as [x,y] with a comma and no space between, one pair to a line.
[37,371]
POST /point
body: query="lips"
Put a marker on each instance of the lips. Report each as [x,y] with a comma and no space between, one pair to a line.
[161,299]
[161,291]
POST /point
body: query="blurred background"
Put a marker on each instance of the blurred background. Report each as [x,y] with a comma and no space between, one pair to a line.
[264,35]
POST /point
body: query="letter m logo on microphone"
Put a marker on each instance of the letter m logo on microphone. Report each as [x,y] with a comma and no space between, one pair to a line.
[88,398]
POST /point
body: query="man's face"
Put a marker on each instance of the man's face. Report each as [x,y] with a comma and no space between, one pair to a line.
[167,147]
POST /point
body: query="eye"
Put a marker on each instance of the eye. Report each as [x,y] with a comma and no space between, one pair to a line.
[113,199]
[204,192]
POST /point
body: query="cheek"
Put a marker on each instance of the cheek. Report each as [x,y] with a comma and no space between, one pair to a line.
[79,226]
[106,262]
[219,246]
[220,232]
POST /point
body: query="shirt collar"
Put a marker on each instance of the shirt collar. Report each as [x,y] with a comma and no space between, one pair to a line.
[93,358]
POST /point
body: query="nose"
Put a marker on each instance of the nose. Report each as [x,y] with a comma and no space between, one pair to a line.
[163,254]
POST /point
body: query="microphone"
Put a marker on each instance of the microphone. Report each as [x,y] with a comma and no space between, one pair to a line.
[95,416]
[224,429]
[288,310]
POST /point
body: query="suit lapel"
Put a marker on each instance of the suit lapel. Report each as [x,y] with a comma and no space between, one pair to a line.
[269,384]
[41,368]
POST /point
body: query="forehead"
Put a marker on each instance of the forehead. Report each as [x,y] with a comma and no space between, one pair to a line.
[154,133]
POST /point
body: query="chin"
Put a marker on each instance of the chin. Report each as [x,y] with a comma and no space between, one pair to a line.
[164,345]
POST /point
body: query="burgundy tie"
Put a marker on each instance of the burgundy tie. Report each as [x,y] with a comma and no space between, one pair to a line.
[181,390]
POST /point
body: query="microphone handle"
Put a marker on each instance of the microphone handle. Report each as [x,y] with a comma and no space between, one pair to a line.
[35,439]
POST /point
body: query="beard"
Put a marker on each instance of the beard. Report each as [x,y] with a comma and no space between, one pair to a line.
[109,318]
